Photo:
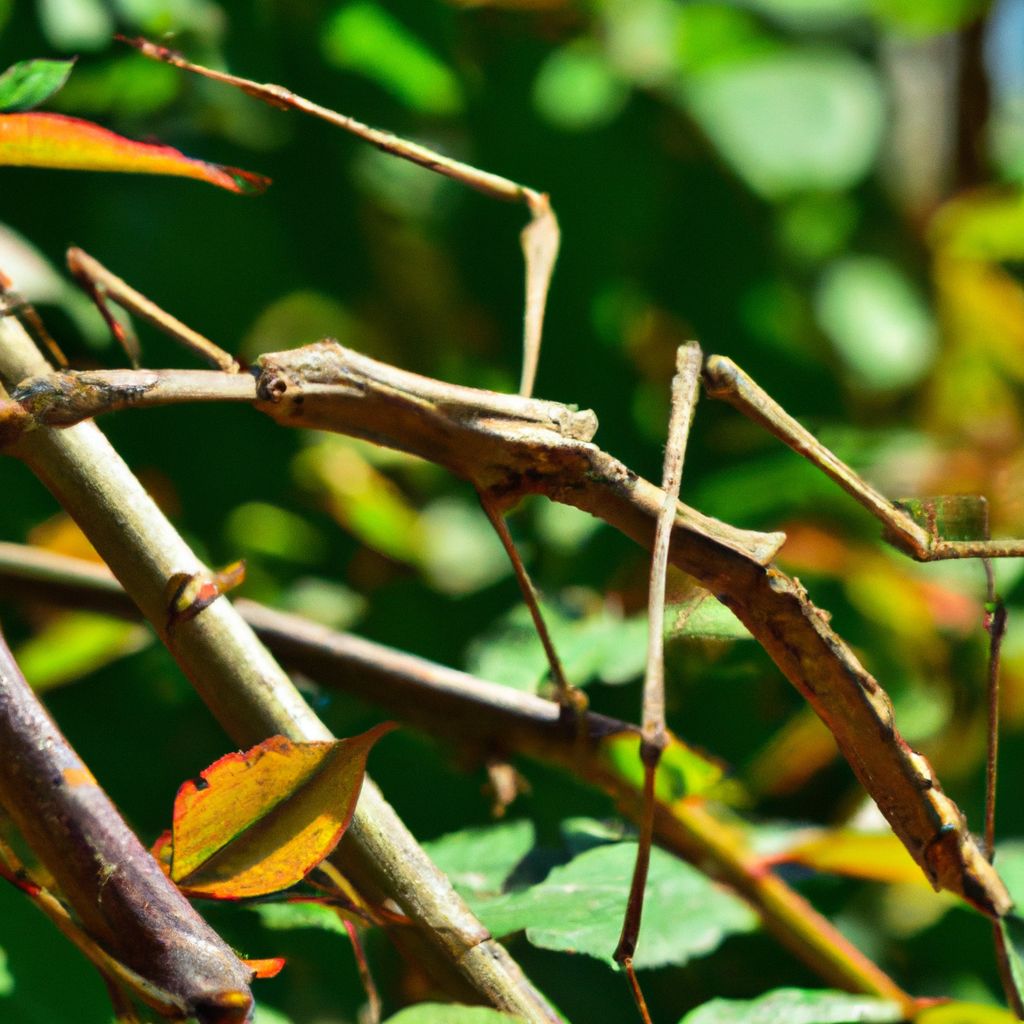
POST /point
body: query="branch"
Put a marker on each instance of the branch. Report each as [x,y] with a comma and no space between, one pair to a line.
[494,720]
[246,689]
[507,450]
[125,902]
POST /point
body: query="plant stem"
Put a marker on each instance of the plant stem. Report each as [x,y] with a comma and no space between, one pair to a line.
[494,719]
[247,691]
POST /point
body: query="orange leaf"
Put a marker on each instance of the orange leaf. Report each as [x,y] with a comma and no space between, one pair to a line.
[260,821]
[53,140]
[269,968]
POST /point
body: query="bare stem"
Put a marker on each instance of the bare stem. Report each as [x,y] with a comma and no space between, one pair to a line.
[539,239]
[246,689]
[509,447]
[498,721]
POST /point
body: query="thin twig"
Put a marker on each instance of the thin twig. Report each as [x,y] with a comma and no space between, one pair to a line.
[653,730]
[995,626]
[510,447]
[573,700]
[495,719]
[250,694]
[126,903]
[101,284]
[539,239]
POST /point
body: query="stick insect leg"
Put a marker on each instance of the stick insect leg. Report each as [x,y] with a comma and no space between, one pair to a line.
[723,379]
[569,697]
[653,738]
[101,285]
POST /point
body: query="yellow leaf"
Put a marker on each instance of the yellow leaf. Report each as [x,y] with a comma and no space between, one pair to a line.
[260,821]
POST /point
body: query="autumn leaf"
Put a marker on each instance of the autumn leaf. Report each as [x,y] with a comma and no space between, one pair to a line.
[257,822]
[69,143]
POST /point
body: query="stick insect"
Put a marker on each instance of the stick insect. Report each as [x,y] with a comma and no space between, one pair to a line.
[507,446]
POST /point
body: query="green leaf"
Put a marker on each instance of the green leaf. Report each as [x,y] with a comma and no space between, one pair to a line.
[450,1013]
[579,907]
[365,38]
[281,917]
[682,771]
[577,90]
[791,121]
[928,17]
[1010,861]
[268,1015]
[797,1006]
[1012,928]
[879,324]
[596,644]
[75,645]
[76,24]
[965,1013]
[6,978]
[703,617]
[30,82]
[478,860]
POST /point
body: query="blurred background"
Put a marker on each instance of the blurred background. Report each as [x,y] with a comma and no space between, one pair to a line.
[828,191]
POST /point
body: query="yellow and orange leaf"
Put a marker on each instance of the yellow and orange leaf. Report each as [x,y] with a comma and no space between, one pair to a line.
[69,143]
[266,968]
[259,821]
[877,856]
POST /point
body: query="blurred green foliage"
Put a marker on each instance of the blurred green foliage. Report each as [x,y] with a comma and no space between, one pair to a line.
[760,174]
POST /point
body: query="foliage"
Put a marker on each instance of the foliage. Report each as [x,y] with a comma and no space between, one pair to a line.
[748,173]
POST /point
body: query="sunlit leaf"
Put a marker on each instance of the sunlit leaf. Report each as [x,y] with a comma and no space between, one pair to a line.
[460,552]
[260,821]
[264,1014]
[703,617]
[69,143]
[797,1006]
[6,978]
[364,37]
[597,644]
[479,860]
[928,17]
[578,908]
[450,1013]
[76,24]
[576,89]
[1012,929]
[965,1013]
[791,121]
[682,771]
[878,856]
[287,916]
[880,326]
[31,82]
[260,528]
[76,644]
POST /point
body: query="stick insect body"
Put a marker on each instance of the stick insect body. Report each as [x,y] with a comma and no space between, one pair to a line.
[508,446]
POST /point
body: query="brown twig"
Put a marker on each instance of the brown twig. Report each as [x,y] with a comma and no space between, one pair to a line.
[539,239]
[125,902]
[500,721]
[653,731]
[248,691]
[510,447]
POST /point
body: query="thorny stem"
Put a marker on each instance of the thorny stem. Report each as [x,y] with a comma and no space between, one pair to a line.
[495,718]
[248,691]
